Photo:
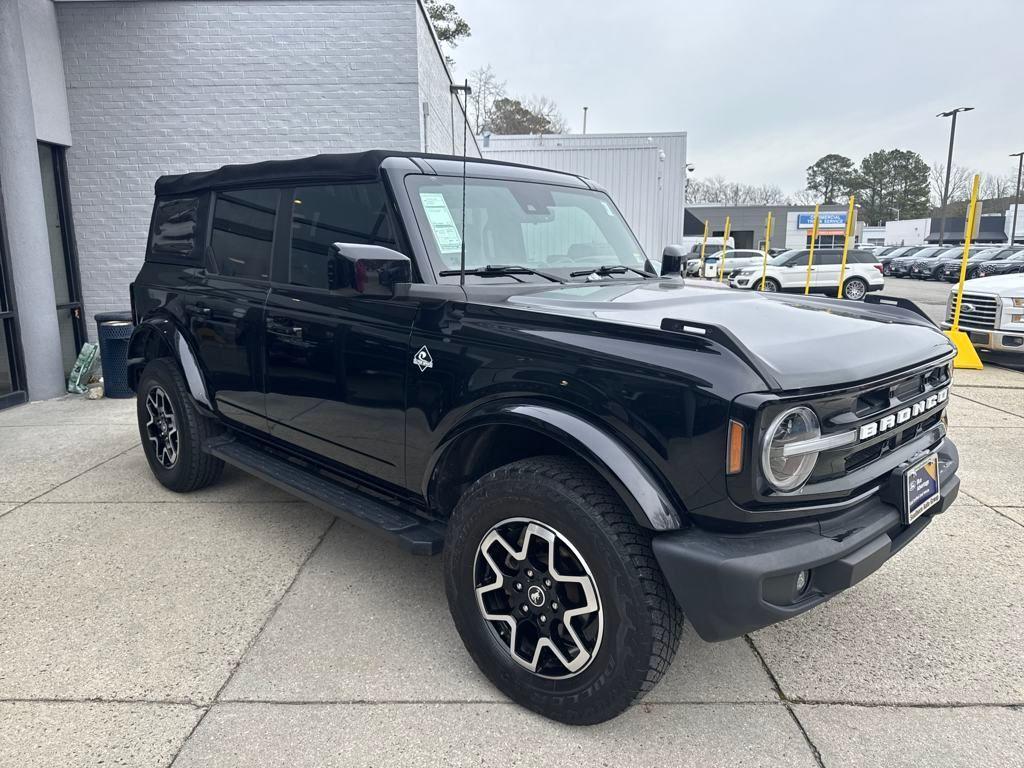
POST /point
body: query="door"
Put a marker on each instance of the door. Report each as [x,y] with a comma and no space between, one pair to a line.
[63,253]
[793,274]
[825,272]
[12,388]
[337,360]
[225,307]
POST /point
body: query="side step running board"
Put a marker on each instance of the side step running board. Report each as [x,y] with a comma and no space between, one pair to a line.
[418,536]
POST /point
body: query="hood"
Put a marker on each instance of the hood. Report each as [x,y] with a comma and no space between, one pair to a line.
[803,342]
[997,285]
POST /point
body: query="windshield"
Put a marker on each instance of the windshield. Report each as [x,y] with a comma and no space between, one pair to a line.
[545,227]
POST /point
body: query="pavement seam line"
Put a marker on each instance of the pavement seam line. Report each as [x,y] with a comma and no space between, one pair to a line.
[987,405]
[815,752]
[101,700]
[65,482]
[253,640]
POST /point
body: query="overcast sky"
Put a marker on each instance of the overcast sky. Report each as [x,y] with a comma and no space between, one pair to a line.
[765,87]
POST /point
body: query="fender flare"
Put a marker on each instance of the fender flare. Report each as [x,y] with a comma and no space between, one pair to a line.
[631,480]
[167,330]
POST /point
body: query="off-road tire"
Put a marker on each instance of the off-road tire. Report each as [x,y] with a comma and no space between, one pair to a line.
[855,289]
[193,468]
[642,621]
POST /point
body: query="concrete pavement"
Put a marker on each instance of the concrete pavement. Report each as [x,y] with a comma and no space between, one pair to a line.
[237,626]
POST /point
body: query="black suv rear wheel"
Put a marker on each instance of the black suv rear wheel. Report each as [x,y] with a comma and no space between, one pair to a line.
[173,430]
[556,593]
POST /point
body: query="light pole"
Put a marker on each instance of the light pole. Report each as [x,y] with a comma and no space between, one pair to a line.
[949,167]
[585,110]
[1016,197]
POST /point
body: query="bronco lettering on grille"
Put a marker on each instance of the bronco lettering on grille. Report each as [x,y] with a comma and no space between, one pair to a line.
[903,415]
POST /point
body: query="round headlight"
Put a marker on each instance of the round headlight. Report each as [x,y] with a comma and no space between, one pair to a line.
[787,473]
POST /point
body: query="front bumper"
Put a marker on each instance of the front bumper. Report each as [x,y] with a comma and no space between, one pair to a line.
[732,584]
[744,281]
[993,340]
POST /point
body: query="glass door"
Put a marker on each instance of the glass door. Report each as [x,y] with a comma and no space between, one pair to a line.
[63,253]
[12,388]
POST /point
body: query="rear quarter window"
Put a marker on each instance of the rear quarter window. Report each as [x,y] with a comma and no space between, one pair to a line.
[172,235]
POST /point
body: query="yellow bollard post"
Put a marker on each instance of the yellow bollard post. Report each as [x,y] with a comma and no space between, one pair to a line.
[767,245]
[810,256]
[703,247]
[846,248]
[725,248]
[966,354]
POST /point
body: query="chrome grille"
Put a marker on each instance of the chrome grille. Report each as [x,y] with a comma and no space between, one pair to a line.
[976,311]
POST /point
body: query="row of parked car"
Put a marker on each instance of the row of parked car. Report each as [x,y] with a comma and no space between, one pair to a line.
[787,270]
[942,262]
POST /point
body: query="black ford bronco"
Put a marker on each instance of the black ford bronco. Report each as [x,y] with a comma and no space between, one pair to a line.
[478,358]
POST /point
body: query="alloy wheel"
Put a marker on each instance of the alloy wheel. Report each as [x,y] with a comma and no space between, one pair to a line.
[162,427]
[854,290]
[539,598]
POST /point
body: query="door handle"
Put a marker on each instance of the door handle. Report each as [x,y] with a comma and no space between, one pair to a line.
[202,309]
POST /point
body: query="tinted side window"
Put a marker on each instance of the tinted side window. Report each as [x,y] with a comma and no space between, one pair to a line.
[174,230]
[827,258]
[861,257]
[800,260]
[336,213]
[243,232]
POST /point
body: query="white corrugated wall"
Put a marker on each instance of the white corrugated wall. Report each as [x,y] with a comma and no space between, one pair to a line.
[644,173]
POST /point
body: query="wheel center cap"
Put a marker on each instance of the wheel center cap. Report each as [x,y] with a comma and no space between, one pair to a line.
[536,596]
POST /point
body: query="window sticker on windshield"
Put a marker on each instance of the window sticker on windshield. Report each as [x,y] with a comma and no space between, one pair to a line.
[441,222]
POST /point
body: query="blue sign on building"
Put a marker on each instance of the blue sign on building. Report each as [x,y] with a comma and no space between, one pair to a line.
[826,220]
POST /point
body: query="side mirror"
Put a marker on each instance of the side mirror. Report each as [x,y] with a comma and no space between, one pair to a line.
[371,270]
[672,261]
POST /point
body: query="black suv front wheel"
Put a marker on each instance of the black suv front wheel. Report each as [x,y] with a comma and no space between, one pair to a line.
[556,593]
[173,430]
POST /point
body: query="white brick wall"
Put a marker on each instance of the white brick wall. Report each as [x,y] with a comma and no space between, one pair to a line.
[434,90]
[170,87]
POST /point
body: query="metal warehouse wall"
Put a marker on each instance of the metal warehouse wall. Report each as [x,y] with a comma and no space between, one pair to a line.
[643,172]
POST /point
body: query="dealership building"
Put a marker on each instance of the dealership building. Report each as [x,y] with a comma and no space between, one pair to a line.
[98,99]
[791,224]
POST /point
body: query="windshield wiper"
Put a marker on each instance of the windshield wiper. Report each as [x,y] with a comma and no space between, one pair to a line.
[611,269]
[501,270]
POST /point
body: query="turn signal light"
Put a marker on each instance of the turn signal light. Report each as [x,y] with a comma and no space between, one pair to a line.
[734,463]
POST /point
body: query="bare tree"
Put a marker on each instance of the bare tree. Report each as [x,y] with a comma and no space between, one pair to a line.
[546,108]
[959,182]
[994,186]
[767,194]
[486,89]
[805,197]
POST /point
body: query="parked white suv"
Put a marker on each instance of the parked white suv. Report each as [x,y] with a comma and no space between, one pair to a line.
[735,260]
[992,312]
[788,272]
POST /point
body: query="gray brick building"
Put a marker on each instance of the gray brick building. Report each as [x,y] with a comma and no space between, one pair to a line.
[98,99]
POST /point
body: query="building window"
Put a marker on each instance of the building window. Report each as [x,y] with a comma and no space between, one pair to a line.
[827,241]
[63,253]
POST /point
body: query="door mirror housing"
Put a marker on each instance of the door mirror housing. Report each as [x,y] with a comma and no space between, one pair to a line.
[371,270]
[672,261]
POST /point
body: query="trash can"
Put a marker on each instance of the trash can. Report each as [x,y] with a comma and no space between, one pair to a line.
[114,330]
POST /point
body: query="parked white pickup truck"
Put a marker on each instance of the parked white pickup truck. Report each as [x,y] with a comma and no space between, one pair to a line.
[992,312]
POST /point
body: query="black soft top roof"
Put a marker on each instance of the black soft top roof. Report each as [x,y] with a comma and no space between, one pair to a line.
[356,165]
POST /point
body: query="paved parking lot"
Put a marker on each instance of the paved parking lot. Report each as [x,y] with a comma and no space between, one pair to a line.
[929,295]
[236,626]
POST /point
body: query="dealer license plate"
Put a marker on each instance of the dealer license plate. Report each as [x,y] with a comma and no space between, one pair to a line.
[921,488]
